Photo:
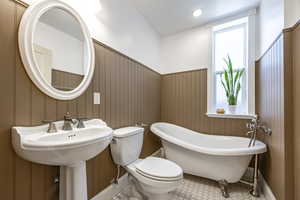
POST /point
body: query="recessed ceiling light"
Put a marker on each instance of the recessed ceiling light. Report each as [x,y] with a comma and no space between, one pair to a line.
[197,13]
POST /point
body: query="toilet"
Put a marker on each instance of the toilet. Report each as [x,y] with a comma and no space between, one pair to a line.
[155,177]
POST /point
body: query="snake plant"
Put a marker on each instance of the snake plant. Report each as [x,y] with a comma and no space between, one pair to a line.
[231,81]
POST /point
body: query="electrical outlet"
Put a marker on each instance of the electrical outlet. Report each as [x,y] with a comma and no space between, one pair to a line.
[96,98]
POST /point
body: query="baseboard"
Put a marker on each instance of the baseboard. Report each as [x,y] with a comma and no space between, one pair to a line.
[112,190]
[266,189]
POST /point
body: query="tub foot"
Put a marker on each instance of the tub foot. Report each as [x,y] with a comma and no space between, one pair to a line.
[223,184]
[255,193]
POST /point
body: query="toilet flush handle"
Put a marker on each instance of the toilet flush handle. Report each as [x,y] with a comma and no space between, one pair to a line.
[114,141]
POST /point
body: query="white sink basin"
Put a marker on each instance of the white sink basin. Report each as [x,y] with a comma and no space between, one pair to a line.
[68,149]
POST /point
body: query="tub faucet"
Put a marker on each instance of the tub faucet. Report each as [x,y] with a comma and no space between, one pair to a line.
[253,127]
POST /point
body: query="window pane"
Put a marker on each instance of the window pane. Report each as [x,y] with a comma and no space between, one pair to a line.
[232,43]
[221,100]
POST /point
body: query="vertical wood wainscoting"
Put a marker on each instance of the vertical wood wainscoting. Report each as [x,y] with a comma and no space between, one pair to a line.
[130,92]
[274,105]
[296,92]
[293,37]
[184,102]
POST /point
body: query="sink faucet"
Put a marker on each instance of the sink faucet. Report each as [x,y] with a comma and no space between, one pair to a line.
[52,127]
[253,127]
[68,122]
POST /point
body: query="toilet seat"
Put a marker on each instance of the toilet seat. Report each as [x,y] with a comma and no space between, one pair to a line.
[152,179]
[159,169]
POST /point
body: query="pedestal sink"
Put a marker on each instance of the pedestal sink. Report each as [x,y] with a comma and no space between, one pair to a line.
[67,149]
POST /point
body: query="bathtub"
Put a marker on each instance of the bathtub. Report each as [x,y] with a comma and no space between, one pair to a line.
[209,156]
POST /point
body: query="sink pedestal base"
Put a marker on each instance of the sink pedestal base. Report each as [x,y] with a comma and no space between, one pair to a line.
[73,184]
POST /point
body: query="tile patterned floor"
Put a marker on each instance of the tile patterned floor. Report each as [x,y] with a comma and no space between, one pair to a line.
[194,188]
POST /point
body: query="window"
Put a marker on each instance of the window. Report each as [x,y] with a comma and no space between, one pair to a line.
[233,39]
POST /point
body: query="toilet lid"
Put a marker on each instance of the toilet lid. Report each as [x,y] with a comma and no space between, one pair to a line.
[159,169]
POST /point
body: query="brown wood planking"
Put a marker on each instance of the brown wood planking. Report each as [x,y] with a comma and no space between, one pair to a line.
[294,55]
[122,104]
[288,117]
[7,60]
[183,98]
[274,104]
[22,174]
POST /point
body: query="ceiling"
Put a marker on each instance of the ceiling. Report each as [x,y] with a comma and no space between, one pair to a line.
[171,16]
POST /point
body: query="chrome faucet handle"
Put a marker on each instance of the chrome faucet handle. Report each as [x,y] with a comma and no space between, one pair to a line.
[68,117]
[80,122]
[68,122]
[255,120]
[248,125]
[249,132]
[52,127]
[251,126]
[266,130]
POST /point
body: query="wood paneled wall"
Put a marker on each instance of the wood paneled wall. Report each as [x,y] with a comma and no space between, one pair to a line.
[293,39]
[130,92]
[274,104]
[296,99]
[184,102]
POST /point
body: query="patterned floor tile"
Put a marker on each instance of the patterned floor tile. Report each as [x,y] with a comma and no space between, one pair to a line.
[194,188]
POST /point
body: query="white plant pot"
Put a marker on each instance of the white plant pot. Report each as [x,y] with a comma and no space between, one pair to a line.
[232,109]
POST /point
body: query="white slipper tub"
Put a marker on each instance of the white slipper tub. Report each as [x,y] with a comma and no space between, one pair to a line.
[209,156]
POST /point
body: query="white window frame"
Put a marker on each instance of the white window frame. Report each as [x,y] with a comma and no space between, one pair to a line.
[249,79]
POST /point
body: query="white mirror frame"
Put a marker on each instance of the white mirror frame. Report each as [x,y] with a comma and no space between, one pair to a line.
[26,30]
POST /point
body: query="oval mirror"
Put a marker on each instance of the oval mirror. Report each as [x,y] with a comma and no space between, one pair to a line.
[56,49]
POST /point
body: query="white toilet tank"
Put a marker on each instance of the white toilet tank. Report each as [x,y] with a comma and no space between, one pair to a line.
[127,145]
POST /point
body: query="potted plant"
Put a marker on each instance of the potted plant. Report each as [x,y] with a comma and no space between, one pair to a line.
[231,81]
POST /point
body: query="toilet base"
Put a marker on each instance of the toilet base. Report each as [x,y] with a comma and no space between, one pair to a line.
[146,194]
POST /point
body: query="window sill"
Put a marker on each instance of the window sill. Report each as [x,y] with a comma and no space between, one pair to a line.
[231,116]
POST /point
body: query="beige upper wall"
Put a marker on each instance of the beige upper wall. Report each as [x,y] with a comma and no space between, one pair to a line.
[191,49]
[188,50]
[273,17]
[292,12]
[270,22]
